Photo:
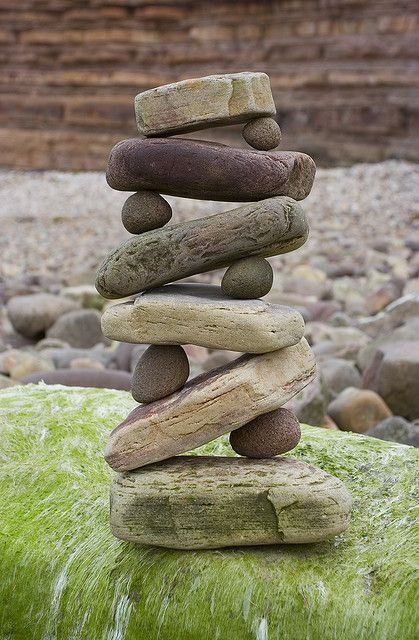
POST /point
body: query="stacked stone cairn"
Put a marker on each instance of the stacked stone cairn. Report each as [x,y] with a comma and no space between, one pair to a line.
[160,497]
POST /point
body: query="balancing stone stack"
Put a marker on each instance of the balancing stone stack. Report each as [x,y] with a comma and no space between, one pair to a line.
[189,502]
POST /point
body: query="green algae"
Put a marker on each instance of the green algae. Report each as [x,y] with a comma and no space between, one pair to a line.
[64,577]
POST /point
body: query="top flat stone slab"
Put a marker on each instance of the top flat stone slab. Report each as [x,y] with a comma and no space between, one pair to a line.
[208,170]
[200,103]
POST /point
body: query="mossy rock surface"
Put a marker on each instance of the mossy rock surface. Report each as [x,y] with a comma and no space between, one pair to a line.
[64,577]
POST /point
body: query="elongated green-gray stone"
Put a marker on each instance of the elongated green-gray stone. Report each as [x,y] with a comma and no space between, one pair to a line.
[266,228]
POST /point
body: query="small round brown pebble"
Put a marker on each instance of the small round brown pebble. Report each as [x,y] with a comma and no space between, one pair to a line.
[144,211]
[262,133]
[160,371]
[267,435]
[248,279]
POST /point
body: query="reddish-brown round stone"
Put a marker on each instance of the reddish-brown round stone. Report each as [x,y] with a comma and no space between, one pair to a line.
[267,435]
[160,371]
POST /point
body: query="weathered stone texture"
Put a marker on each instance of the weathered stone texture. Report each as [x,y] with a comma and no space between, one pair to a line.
[344,74]
[266,228]
[188,314]
[208,170]
[209,502]
[208,406]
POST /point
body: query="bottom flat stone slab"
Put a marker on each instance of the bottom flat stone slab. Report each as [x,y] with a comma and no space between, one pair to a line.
[193,502]
[210,405]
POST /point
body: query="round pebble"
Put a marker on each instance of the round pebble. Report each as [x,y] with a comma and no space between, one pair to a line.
[248,278]
[160,371]
[262,133]
[267,435]
[144,211]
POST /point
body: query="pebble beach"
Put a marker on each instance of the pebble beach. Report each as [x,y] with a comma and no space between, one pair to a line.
[360,261]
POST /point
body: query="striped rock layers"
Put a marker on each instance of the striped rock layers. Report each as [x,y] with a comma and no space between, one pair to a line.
[160,496]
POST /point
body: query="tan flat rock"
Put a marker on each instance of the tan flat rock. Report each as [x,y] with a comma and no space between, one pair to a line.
[204,316]
[199,103]
[266,228]
[210,405]
[194,502]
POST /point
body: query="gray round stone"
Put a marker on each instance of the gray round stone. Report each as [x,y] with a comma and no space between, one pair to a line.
[248,278]
[144,211]
[160,371]
[80,329]
[262,133]
[267,435]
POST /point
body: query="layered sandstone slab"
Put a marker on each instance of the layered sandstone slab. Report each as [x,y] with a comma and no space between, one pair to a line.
[204,502]
[203,315]
[267,228]
[208,170]
[200,103]
[210,405]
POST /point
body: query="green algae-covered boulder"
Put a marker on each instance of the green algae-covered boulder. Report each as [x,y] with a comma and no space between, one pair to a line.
[64,577]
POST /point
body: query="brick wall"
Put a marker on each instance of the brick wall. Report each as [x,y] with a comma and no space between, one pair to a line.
[345,73]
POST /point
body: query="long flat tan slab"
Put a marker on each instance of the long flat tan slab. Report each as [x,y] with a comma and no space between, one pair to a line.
[208,406]
[199,103]
[203,315]
[208,170]
[209,502]
[267,228]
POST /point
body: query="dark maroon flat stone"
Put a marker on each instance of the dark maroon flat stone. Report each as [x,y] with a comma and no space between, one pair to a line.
[208,170]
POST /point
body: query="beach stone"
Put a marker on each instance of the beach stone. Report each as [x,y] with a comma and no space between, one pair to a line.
[6,382]
[85,295]
[159,372]
[98,378]
[221,502]
[358,410]
[382,297]
[322,310]
[310,404]
[393,316]
[188,313]
[86,363]
[33,315]
[63,358]
[126,356]
[271,227]
[208,170]
[405,333]
[262,133]
[29,363]
[340,336]
[210,405]
[396,429]
[81,328]
[394,374]
[144,211]
[248,278]
[17,364]
[51,343]
[338,374]
[199,103]
[267,435]
[218,359]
